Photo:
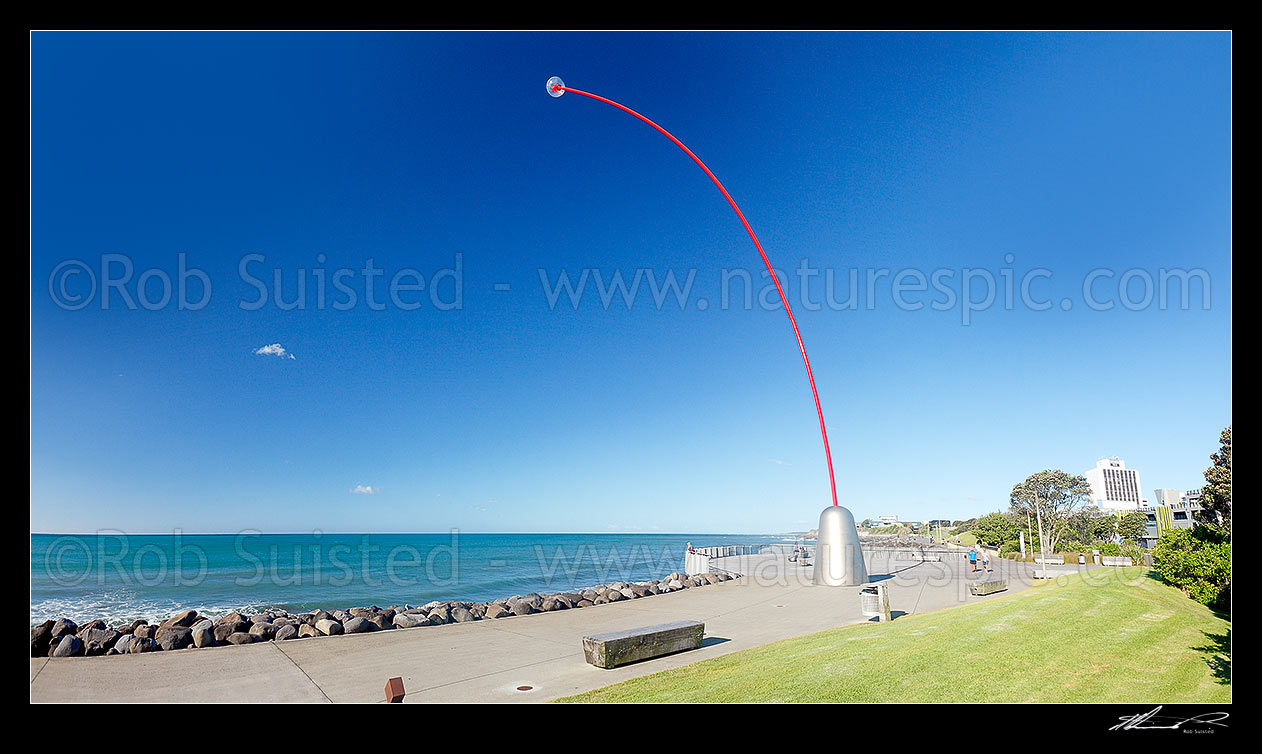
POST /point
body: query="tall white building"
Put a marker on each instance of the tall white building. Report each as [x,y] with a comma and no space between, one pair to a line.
[1113,486]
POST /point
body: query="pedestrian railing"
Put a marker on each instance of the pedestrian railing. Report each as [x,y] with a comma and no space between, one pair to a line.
[697,560]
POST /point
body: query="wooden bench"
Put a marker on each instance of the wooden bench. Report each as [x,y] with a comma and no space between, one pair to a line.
[1049,559]
[982,588]
[634,644]
[1113,560]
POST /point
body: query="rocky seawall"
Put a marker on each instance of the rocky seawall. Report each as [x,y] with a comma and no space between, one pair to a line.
[188,630]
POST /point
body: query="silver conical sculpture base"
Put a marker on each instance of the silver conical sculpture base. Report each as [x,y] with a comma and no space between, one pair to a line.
[838,556]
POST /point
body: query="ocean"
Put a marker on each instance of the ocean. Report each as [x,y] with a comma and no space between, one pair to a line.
[124,577]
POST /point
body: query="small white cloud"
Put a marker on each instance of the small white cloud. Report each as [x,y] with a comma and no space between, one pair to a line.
[778,462]
[365,489]
[275,349]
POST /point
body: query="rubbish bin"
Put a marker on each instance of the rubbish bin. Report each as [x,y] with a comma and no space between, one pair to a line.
[874,601]
[1082,559]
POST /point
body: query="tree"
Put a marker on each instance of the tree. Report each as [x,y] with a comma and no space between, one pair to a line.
[1106,528]
[1216,494]
[995,529]
[1132,526]
[1052,497]
[1088,524]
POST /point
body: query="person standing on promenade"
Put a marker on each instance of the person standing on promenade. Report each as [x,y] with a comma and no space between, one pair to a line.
[972,558]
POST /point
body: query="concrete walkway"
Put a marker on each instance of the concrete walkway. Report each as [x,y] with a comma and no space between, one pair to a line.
[488,661]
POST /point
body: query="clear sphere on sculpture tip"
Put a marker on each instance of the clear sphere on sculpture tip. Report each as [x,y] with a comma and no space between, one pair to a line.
[555,86]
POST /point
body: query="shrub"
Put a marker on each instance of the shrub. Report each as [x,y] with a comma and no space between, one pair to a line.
[1110,548]
[1198,562]
[1132,551]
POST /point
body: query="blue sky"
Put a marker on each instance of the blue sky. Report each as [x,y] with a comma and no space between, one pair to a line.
[1068,153]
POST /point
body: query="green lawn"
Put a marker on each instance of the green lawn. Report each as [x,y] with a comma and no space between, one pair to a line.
[1114,635]
[966,538]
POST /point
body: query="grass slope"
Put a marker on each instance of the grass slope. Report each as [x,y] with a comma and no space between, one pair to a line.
[1115,635]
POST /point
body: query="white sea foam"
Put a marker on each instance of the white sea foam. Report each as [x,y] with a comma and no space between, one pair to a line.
[121,609]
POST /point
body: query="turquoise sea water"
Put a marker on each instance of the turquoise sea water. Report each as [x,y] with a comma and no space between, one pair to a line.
[124,577]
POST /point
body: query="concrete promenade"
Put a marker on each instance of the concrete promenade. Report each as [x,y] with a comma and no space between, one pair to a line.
[487,661]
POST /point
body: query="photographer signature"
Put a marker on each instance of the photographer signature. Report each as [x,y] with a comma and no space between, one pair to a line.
[1151,721]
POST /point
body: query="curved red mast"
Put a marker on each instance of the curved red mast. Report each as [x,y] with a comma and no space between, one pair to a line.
[556,88]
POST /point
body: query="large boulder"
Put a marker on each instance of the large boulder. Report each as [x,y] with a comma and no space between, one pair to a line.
[140,644]
[69,646]
[262,631]
[41,638]
[62,627]
[175,637]
[410,620]
[232,617]
[461,614]
[329,627]
[521,607]
[97,641]
[306,630]
[163,629]
[97,624]
[147,631]
[203,633]
[495,610]
[241,637]
[180,620]
[285,632]
[358,625]
[224,630]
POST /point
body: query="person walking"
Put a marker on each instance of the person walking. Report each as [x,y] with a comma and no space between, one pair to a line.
[972,558]
[985,555]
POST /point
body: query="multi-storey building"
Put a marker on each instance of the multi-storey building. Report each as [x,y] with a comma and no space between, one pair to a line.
[1170,511]
[1113,486]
